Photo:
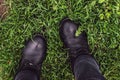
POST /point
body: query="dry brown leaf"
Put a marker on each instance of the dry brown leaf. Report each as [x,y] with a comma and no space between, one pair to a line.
[3,9]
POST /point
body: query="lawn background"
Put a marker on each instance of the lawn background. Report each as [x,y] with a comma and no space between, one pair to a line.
[99,18]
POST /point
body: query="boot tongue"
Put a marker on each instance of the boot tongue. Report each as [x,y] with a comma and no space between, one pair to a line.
[78,51]
[28,64]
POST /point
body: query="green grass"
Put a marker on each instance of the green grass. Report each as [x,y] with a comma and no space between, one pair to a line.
[99,18]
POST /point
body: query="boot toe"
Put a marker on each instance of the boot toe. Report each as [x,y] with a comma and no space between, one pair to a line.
[35,50]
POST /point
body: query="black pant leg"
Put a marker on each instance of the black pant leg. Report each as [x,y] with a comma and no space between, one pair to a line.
[28,72]
[26,75]
[86,68]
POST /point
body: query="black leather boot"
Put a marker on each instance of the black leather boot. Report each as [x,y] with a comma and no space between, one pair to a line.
[76,45]
[33,55]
